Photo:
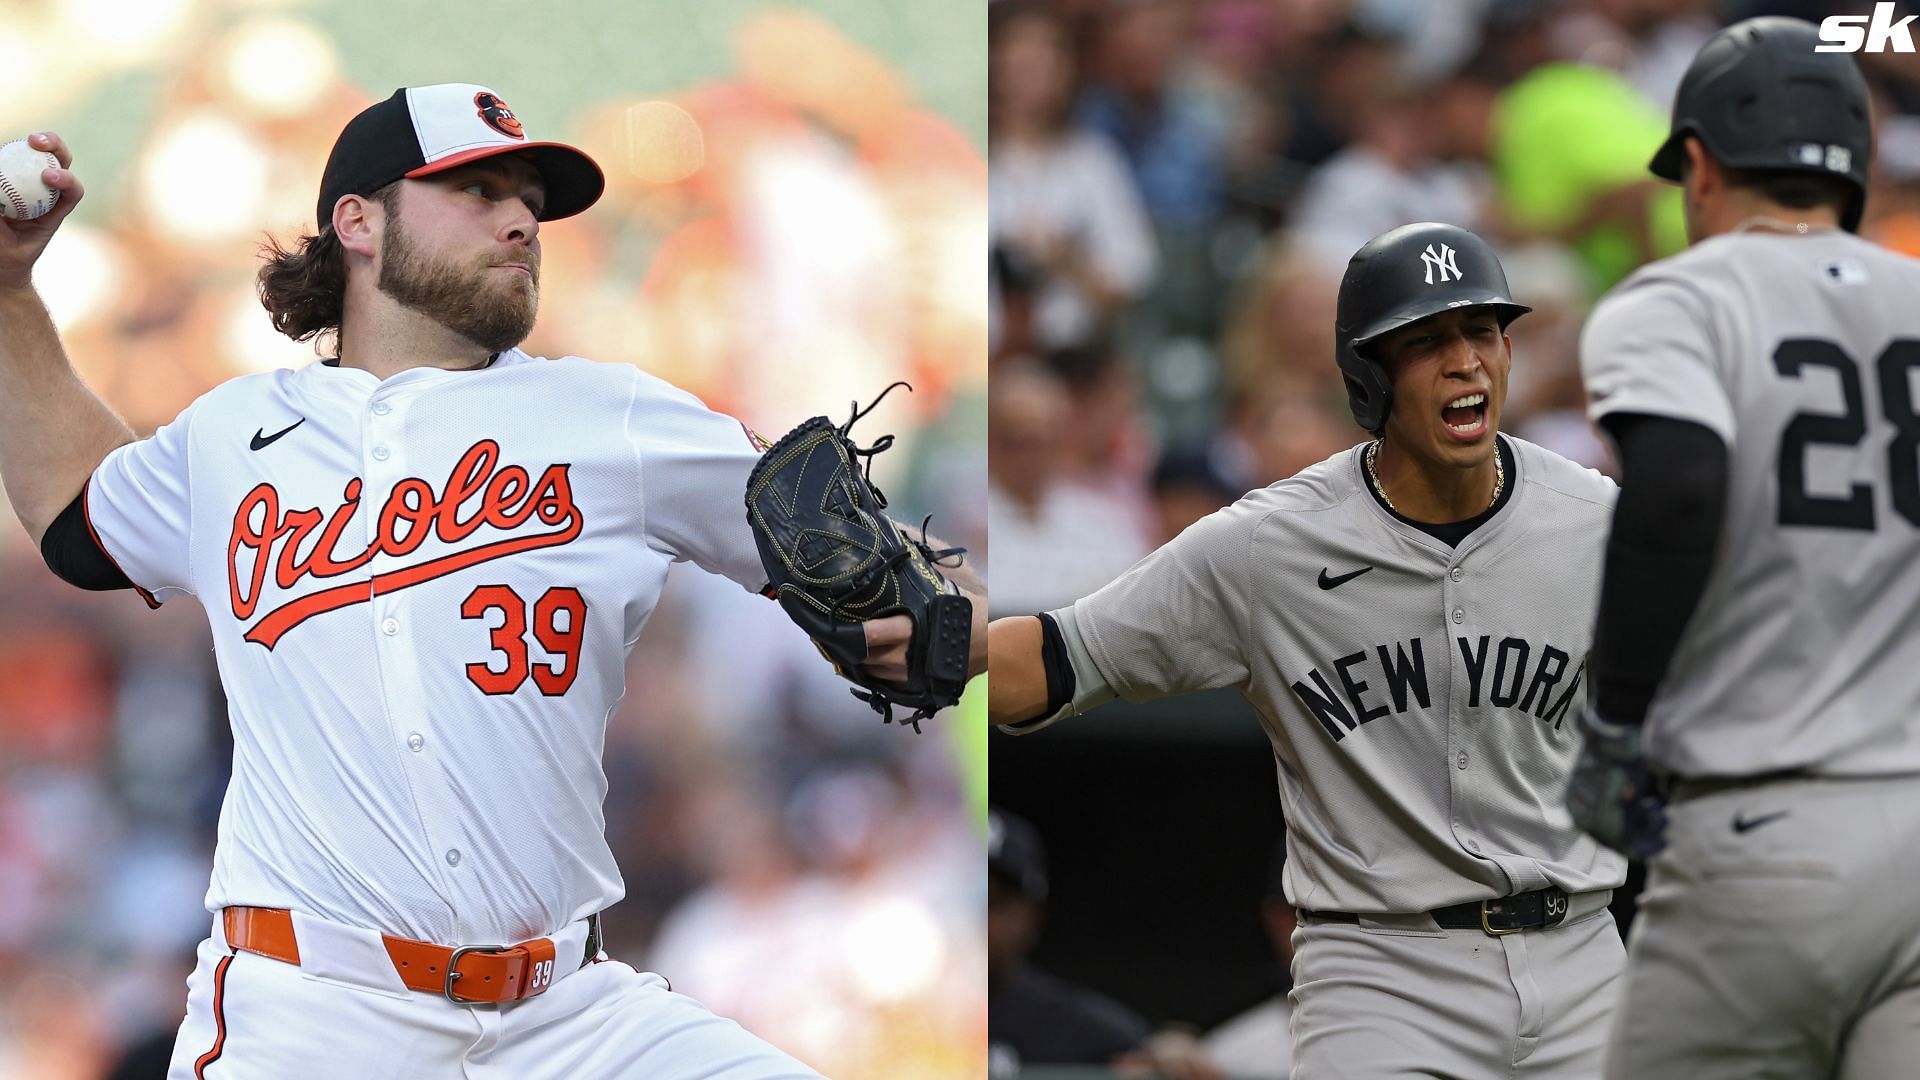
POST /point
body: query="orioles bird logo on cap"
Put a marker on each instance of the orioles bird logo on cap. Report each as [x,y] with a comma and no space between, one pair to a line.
[498,116]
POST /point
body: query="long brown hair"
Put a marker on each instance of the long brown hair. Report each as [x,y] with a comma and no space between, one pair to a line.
[304,287]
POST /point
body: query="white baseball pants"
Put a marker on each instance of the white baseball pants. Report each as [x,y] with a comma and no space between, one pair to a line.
[253,1018]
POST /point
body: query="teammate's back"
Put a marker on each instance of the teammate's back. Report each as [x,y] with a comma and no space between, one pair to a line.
[1754,638]
[1799,352]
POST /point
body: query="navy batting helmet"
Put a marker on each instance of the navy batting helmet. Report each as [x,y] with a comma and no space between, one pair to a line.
[1759,97]
[1400,277]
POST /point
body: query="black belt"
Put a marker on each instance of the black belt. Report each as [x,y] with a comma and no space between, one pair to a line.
[1682,788]
[1502,915]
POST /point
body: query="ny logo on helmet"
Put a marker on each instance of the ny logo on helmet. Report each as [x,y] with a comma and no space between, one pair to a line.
[1442,262]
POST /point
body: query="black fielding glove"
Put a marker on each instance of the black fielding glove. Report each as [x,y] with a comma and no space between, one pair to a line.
[834,560]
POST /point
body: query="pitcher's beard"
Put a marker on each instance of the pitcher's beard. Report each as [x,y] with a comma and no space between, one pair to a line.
[495,315]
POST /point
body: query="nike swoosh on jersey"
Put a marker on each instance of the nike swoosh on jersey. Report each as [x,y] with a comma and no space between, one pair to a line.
[1741,823]
[1329,582]
[261,440]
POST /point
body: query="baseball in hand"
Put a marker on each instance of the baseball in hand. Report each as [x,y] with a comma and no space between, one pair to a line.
[23,194]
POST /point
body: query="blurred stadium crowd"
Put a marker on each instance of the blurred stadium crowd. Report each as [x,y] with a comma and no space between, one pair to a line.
[1177,187]
[794,232]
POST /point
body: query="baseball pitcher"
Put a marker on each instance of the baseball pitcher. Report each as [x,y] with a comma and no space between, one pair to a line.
[424,561]
[1756,648]
[1410,618]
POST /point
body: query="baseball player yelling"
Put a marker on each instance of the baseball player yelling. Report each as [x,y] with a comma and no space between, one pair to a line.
[422,590]
[1410,618]
[1756,630]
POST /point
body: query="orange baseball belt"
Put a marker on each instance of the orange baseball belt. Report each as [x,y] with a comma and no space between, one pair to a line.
[465,975]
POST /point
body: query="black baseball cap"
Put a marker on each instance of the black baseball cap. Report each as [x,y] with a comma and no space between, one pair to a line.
[422,130]
[1015,854]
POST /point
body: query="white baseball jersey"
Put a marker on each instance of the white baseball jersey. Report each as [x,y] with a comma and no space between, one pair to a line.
[423,591]
[1420,699]
[1800,352]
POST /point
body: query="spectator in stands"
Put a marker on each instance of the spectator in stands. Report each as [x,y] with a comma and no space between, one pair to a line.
[1649,42]
[1189,482]
[1137,98]
[1280,424]
[1034,1018]
[1109,446]
[1386,177]
[1071,245]
[1280,320]
[1568,144]
[1053,539]
[1337,63]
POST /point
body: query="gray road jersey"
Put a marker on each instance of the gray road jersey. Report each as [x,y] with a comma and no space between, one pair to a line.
[1801,352]
[1420,700]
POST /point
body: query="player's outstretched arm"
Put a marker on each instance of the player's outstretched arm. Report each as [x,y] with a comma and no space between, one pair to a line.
[53,430]
[1018,689]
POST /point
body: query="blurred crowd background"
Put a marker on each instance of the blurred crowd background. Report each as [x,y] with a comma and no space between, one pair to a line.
[796,204]
[1177,186]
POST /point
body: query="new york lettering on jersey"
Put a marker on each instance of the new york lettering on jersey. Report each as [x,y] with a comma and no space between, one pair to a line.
[1406,686]
[1413,665]
[1400,671]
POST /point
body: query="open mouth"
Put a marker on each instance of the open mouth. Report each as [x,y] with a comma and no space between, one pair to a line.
[1466,415]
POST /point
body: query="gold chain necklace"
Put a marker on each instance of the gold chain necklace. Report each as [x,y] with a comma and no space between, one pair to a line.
[1373,451]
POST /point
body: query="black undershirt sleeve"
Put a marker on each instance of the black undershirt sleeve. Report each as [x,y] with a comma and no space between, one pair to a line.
[75,556]
[1666,527]
[1061,683]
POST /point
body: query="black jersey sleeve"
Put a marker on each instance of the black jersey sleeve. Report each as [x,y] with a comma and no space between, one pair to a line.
[1666,526]
[75,555]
